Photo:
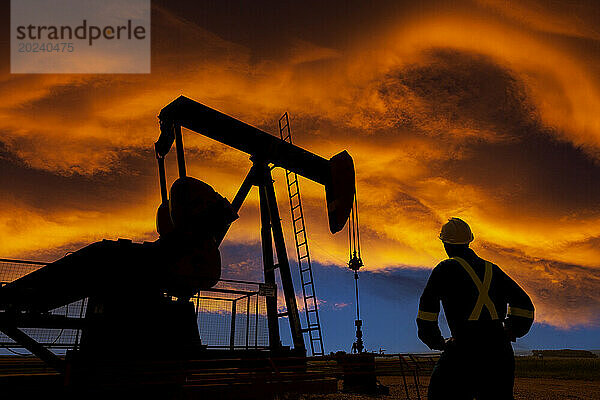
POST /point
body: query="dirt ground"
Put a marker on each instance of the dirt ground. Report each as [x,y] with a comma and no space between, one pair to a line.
[525,389]
[550,389]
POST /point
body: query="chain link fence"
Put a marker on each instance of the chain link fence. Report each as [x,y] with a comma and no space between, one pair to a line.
[231,315]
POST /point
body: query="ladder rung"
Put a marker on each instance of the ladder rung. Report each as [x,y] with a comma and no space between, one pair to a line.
[301,240]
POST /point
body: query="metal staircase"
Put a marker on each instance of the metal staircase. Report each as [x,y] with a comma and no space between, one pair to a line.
[313,326]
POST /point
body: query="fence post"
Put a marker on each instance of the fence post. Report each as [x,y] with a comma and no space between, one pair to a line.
[232,334]
[247,321]
[256,321]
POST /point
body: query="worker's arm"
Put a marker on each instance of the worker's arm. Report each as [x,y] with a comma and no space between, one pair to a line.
[427,317]
[519,316]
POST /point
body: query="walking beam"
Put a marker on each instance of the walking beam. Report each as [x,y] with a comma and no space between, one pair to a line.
[336,174]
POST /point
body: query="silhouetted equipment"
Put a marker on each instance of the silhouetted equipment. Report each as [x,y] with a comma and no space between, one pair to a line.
[355,263]
[359,367]
[337,175]
[309,295]
[138,294]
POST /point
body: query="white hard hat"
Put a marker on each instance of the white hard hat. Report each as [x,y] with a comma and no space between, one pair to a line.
[456,231]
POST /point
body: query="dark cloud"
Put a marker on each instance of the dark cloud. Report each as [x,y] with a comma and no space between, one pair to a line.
[76,101]
[51,192]
[399,202]
[458,90]
[267,26]
[67,102]
[522,162]
[537,175]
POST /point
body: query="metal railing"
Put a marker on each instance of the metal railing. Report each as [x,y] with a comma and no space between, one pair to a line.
[231,315]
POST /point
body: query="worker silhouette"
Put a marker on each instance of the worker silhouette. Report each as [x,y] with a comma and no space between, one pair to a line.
[478,360]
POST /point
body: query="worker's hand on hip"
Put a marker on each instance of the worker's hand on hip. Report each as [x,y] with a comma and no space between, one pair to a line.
[449,344]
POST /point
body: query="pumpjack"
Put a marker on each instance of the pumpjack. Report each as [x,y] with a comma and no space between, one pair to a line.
[139,293]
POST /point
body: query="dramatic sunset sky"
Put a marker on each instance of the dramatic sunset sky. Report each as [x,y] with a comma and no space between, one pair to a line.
[483,109]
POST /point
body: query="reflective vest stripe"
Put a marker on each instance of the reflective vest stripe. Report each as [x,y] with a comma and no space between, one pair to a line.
[483,299]
[520,312]
[427,316]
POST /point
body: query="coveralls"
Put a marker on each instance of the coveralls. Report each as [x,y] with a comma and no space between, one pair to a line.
[479,361]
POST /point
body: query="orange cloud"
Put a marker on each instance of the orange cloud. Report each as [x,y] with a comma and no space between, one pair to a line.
[451,113]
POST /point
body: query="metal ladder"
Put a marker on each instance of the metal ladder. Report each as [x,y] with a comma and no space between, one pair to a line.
[313,326]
